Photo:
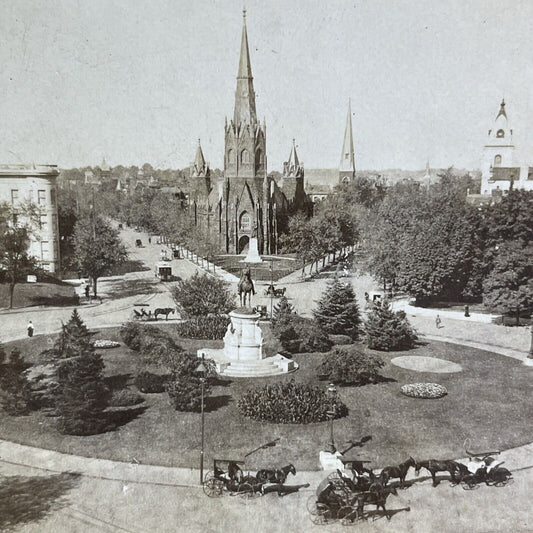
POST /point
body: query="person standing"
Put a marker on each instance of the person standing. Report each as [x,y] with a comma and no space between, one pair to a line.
[438,321]
[30,329]
[87,291]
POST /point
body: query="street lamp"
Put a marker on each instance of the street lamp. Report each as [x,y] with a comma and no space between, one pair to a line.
[271,286]
[331,393]
[202,371]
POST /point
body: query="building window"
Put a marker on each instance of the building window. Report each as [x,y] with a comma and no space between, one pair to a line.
[43,222]
[500,134]
[41,197]
[245,157]
[14,196]
[45,250]
[347,156]
[497,160]
[53,196]
[245,222]
[231,157]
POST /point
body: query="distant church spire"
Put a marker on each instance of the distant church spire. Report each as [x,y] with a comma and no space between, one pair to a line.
[199,167]
[244,94]
[502,110]
[347,164]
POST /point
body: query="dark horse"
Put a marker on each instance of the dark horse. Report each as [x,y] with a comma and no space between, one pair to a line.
[163,311]
[377,497]
[246,287]
[399,471]
[275,476]
[456,470]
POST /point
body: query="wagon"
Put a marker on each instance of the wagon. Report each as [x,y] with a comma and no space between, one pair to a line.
[227,478]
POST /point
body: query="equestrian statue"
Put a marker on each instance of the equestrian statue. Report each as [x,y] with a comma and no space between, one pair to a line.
[246,287]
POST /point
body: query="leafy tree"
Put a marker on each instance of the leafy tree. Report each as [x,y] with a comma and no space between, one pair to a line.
[16,227]
[337,311]
[509,285]
[350,367]
[387,330]
[81,393]
[74,338]
[15,390]
[201,295]
[97,247]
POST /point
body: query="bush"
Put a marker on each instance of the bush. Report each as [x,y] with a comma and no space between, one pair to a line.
[15,390]
[201,295]
[131,333]
[340,340]
[186,394]
[288,403]
[212,327]
[151,383]
[352,367]
[125,398]
[387,330]
[312,338]
[337,311]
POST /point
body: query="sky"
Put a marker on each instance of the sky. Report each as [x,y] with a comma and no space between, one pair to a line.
[136,81]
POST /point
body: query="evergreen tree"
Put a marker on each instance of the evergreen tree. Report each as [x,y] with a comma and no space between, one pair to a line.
[15,391]
[338,312]
[388,330]
[282,313]
[74,338]
[81,395]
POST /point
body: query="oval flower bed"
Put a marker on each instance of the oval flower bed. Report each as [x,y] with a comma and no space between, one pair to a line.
[105,344]
[424,390]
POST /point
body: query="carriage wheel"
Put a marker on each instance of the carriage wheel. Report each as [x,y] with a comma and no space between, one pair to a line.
[212,486]
[348,515]
[246,491]
[311,505]
[470,485]
[323,515]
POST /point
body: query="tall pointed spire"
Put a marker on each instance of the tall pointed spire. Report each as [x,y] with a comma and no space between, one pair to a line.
[244,94]
[199,167]
[293,158]
[347,164]
[502,110]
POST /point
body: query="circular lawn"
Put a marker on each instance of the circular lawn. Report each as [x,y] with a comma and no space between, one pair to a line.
[489,402]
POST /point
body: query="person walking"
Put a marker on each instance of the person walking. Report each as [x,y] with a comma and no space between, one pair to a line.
[438,321]
[87,291]
[30,329]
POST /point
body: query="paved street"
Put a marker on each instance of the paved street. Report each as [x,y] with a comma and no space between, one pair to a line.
[122,497]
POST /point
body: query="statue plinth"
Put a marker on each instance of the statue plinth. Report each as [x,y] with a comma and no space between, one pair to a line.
[253,252]
[243,340]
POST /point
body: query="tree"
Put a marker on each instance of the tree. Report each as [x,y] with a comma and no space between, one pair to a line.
[81,394]
[509,286]
[299,239]
[201,295]
[74,338]
[16,228]
[337,311]
[387,330]
[15,390]
[97,247]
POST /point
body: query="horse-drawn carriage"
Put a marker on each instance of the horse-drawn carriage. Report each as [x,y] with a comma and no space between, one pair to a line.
[483,468]
[275,293]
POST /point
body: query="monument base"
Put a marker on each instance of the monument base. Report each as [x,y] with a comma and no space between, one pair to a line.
[528,361]
[253,252]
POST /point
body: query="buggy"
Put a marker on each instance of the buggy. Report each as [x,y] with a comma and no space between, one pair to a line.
[276,293]
[227,477]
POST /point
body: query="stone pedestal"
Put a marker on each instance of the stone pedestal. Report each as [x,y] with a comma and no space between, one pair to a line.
[253,252]
[528,361]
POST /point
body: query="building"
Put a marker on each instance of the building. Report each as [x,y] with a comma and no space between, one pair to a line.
[245,202]
[347,164]
[499,171]
[36,184]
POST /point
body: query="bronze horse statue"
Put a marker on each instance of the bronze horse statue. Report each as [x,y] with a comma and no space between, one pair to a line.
[246,287]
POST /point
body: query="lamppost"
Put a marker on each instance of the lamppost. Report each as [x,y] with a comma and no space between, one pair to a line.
[202,371]
[271,286]
[332,396]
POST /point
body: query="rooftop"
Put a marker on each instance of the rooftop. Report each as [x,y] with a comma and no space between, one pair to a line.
[28,170]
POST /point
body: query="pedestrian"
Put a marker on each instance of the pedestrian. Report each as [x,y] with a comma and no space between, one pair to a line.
[87,291]
[438,321]
[467,311]
[149,240]
[30,329]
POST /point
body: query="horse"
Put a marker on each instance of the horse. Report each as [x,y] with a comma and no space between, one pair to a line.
[377,497]
[399,471]
[246,287]
[433,466]
[163,311]
[275,476]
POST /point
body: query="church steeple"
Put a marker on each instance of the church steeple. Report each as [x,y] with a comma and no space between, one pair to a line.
[502,110]
[199,168]
[347,164]
[244,94]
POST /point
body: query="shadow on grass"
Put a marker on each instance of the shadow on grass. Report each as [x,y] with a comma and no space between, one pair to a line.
[120,288]
[120,416]
[118,381]
[58,300]
[213,403]
[127,267]
[29,499]
[375,515]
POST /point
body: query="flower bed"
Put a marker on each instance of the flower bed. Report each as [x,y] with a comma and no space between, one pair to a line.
[105,344]
[424,390]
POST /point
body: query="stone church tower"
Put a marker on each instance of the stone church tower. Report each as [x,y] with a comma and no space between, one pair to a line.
[245,191]
[347,164]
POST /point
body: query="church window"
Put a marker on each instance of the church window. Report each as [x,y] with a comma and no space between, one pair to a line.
[245,222]
[231,157]
[497,160]
[259,159]
[500,134]
[347,156]
[245,157]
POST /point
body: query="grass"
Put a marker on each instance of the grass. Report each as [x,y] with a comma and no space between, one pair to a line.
[33,294]
[488,402]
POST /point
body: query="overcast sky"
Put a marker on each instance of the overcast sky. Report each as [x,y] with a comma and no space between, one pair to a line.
[140,81]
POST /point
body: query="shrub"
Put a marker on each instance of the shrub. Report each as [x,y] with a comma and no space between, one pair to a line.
[288,403]
[15,390]
[424,390]
[352,367]
[212,327]
[131,333]
[387,330]
[125,398]
[337,311]
[151,383]
[201,295]
[185,392]
[341,340]
[312,338]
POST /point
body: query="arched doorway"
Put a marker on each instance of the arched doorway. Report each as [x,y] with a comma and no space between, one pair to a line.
[244,241]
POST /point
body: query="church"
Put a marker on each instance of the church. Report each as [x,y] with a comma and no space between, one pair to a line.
[245,202]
